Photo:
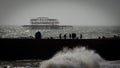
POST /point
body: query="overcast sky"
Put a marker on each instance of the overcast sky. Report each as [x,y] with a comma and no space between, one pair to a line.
[69,12]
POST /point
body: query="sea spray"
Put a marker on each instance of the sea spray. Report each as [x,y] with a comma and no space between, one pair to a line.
[78,57]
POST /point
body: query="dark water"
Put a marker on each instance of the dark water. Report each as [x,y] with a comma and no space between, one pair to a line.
[86,31]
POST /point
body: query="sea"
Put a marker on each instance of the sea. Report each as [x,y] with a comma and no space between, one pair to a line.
[88,32]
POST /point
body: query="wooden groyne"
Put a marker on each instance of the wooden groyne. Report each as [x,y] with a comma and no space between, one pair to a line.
[12,49]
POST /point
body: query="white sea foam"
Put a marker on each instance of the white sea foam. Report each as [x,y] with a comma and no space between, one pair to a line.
[78,57]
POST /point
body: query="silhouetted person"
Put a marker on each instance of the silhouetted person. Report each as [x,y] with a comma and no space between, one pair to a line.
[51,38]
[103,37]
[70,36]
[115,36]
[99,37]
[65,36]
[73,35]
[38,35]
[81,36]
[60,36]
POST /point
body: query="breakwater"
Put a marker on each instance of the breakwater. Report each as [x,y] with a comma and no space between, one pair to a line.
[13,49]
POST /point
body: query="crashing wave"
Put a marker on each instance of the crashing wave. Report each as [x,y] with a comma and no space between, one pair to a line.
[78,57]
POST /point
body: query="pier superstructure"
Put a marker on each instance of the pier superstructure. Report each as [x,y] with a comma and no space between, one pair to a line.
[45,23]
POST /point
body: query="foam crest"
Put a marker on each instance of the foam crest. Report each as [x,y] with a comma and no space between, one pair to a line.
[78,57]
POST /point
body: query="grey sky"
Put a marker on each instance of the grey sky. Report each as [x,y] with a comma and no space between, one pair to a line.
[69,12]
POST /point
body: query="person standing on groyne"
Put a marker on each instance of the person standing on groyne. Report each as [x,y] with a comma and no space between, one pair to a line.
[81,36]
[65,36]
[60,36]
[38,35]
[73,35]
[70,36]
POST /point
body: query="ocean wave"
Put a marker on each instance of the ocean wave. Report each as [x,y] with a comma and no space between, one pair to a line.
[78,57]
